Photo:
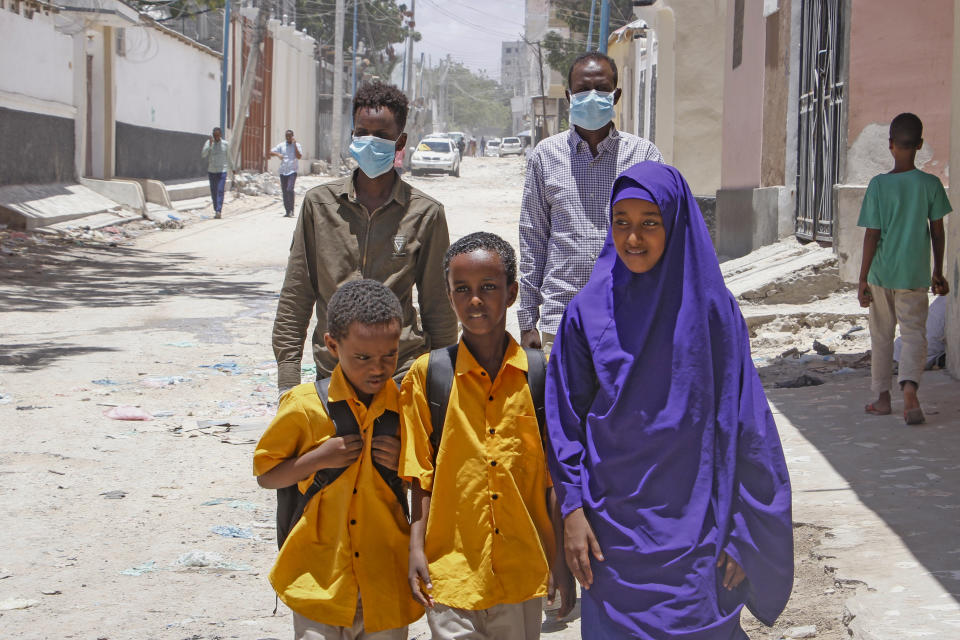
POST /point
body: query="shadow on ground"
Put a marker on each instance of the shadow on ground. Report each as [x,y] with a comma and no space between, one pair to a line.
[908,476]
[31,357]
[57,275]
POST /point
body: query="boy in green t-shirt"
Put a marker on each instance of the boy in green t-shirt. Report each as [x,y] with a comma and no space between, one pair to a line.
[903,215]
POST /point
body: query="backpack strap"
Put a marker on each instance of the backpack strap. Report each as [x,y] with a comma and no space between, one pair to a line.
[441,366]
[537,380]
[345,423]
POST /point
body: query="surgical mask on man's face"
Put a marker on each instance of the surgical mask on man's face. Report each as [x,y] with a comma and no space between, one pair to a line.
[591,110]
[374,155]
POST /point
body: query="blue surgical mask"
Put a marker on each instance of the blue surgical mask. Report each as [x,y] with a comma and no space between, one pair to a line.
[591,110]
[374,155]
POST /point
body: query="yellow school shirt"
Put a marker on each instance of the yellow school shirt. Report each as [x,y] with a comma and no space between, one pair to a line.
[488,534]
[353,534]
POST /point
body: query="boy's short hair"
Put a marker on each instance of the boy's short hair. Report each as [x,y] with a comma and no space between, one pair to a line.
[365,301]
[488,241]
[592,55]
[906,131]
[374,95]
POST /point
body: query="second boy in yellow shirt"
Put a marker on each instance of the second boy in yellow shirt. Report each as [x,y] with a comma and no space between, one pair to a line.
[482,542]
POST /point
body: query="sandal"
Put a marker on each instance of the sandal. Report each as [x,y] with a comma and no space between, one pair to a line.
[914,416]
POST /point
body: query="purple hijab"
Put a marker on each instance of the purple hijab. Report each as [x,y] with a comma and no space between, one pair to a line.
[660,429]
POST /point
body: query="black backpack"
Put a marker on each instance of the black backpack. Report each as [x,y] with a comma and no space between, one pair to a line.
[291,503]
[440,372]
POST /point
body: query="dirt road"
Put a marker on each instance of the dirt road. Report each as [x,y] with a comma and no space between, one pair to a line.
[156,529]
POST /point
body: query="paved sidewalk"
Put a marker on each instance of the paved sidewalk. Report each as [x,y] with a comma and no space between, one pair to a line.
[889,495]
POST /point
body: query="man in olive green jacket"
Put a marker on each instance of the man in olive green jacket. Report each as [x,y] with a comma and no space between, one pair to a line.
[364,226]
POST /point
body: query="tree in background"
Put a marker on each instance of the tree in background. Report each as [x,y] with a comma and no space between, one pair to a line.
[380,28]
[560,51]
[476,103]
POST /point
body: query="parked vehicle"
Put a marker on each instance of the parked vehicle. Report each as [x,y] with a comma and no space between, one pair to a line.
[435,154]
[511,146]
[493,148]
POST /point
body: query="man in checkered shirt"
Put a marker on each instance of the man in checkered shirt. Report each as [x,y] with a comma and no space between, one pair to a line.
[564,215]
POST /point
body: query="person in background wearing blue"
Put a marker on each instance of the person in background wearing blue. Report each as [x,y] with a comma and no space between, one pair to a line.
[663,451]
[217,152]
[563,214]
[288,152]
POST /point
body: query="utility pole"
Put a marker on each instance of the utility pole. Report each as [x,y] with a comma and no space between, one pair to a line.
[593,9]
[336,141]
[355,3]
[543,97]
[249,75]
[225,71]
[604,25]
[408,81]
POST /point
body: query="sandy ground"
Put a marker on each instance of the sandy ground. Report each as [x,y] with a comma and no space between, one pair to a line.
[156,529]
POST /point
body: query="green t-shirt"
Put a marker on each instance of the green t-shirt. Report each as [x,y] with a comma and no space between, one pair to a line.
[900,205]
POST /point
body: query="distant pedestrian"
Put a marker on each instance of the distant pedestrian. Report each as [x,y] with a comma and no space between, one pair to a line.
[288,152]
[483,146]
[903,214]
[217,152]
[563,214]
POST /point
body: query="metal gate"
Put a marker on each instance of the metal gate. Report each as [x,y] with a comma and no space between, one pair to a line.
[822,87]
[255,142]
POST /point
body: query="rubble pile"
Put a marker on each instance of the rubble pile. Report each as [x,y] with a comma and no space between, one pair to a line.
[256,184]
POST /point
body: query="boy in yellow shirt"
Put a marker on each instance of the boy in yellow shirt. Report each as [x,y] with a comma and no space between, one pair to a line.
[482,541]
[342,568]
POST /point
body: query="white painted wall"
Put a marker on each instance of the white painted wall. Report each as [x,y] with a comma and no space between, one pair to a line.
[294,92]
[46,84]
[155,89]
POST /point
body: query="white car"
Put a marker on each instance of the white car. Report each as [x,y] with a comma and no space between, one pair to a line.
[511,146]
[493,148]
[436,154]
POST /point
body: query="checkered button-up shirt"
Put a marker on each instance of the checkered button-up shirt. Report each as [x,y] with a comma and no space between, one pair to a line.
[564,218]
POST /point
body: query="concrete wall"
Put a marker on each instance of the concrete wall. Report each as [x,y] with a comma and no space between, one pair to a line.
[153,89]
[36,100]
[743,99]
[49,76]
[951,263]
[40,148]
[294,94]
[163,114]
[692,61]
[747,219]
[900,60]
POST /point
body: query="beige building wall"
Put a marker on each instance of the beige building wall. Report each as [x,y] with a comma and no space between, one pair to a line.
[690,78]
[951,262]
[900,60]
[743,97]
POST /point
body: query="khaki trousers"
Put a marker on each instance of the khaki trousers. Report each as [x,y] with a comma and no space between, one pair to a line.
[307,629]
[890,307]
[546,339]
[520,621]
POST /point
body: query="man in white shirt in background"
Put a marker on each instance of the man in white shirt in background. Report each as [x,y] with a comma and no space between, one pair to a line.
[288,152]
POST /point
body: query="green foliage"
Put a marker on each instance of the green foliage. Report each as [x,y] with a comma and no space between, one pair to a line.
[477,103]
[560,52]
[380,28]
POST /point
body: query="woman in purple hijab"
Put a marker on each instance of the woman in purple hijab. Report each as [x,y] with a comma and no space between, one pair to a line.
[663,451]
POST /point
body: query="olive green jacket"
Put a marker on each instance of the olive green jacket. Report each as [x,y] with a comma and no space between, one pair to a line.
[401,244]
